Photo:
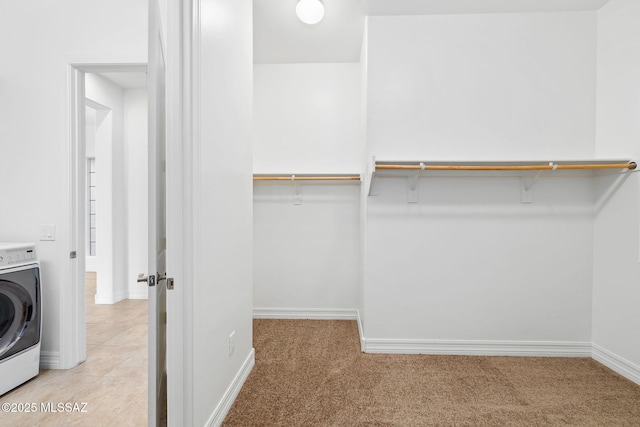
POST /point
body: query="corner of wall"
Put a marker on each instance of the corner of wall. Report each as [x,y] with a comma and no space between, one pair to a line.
[627,369]
[221,411]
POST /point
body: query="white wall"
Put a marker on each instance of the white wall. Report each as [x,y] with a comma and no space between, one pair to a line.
[364,65]
[90,132]
[307,119]
[122,205]
[38,41]
[470,261]
[503,86]
[222,202]
[35,74]
[90,140]
[111,221]
[306,257]
[137,206]
[616,293]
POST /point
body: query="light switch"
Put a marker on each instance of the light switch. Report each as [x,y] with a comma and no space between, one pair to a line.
[47,232]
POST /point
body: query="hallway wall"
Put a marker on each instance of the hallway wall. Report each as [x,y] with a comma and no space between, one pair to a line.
[221,212]
[122,199]
[36,72]
[111,230]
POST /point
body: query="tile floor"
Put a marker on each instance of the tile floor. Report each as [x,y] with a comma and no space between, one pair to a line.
[112,381]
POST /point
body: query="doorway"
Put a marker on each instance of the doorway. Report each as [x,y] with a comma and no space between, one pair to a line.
[109,215]
[116,208]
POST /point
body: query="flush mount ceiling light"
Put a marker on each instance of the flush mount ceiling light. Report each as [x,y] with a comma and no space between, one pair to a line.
[310,11]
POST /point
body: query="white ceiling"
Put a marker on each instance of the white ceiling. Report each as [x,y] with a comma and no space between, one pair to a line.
[433,7]
[279,37]
[129,80]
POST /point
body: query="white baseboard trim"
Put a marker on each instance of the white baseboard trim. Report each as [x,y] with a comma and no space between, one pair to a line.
[616,363]
[49,360]
[363,340]
[110,298]
[479,348]
[230,395]
[305,313]
[101,299]
[138,295]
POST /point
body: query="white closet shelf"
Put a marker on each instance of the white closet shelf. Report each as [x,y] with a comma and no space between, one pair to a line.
[307,177]
[296,180]
[504,165]
[530,169]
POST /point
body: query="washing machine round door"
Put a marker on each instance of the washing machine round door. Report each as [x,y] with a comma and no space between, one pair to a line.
[16,309]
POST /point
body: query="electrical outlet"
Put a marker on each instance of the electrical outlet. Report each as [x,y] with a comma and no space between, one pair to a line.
[232,342]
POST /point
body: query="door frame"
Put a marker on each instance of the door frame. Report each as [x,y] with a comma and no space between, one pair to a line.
[73,345]
[181,43]
[181,166]
[72,298]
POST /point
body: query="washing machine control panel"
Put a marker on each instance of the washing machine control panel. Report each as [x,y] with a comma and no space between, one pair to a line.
[15,256]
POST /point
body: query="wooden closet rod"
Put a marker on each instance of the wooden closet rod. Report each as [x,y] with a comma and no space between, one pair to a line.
[552,166]
[306,178]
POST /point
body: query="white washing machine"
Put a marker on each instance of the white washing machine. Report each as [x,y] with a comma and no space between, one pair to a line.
[20,314]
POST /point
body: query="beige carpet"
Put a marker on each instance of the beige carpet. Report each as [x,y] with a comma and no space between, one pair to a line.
[312,373]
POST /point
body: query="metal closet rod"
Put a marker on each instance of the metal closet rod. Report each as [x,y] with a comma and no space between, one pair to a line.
[306,177]
[550,166]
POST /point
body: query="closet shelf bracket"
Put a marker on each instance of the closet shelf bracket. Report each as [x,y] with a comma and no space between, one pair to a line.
[528,181]
[297,196]
[412,189]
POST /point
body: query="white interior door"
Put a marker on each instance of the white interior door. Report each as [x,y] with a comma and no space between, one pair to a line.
[157,224]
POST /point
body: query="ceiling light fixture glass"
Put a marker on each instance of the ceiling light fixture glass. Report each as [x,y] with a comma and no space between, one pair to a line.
[310,11]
